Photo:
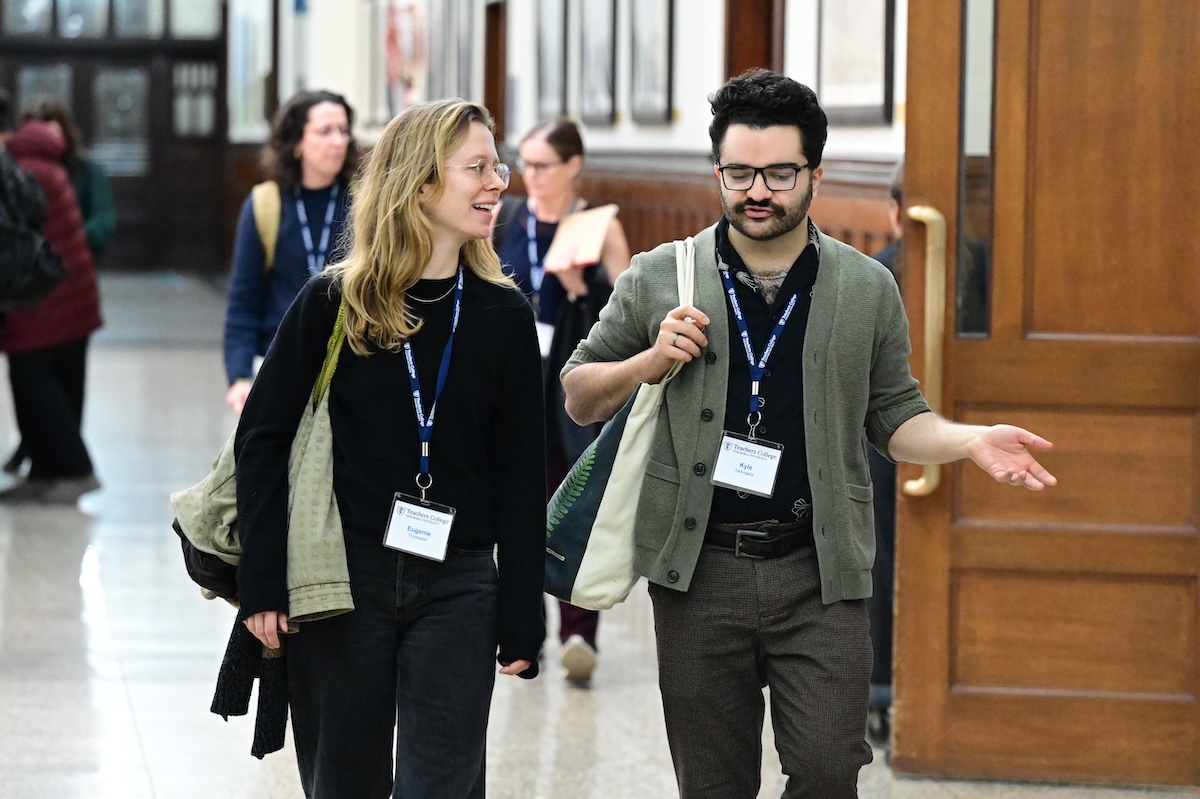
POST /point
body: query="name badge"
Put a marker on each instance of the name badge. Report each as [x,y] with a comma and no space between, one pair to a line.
[419,527]
[747,464]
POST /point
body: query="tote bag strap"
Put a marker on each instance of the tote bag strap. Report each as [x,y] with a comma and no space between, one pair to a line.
[685,268]
[332,350]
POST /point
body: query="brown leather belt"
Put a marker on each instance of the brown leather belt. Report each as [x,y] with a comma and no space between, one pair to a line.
[760,541]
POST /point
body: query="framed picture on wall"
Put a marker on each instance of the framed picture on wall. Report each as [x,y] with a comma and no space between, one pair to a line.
[653,54]
[437,78]
[552,59]
[465,36]
[597,104]
[399,62]
[856,60]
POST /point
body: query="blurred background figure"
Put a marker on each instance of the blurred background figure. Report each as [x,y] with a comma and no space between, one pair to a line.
[289,227]
[92,193]
[47,345]
[92,190]
[883,475]
[567,304]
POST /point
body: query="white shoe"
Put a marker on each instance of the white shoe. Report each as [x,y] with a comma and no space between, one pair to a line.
[578,658]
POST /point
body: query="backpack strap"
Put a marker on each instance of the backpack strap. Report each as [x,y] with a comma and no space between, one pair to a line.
[267,202]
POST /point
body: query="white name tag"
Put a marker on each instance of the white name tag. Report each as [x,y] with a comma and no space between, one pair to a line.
[747,464]
[419,527]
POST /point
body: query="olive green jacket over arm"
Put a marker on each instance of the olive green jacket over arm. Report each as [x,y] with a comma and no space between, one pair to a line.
[856,377]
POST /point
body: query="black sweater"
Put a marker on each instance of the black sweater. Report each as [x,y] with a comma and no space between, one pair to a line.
[487,453]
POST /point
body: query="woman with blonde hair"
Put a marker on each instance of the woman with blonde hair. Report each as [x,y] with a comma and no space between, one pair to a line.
[431,322]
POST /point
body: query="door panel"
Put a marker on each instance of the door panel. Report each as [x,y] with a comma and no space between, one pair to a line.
[1105,157]
[1053,635]
[1126,639]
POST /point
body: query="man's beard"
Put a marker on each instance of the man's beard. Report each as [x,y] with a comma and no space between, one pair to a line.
[785,219]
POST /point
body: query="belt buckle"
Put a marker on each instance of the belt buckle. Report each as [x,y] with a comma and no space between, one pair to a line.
[739,535]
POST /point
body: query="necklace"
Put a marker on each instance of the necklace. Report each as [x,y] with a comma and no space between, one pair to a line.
[415,298]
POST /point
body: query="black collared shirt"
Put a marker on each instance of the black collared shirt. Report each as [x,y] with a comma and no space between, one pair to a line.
[782,386]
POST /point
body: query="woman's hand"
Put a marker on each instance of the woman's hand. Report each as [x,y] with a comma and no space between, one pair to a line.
[235,398]
[266,627]
[572,282]
[516,667]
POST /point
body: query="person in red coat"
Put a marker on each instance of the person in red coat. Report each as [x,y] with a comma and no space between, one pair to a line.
[47,345]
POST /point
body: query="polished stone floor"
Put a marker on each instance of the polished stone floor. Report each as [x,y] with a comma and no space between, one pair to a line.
[108,653]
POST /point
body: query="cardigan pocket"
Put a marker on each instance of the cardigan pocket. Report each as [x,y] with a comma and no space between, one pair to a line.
[860,493]
[660,495]
[862,525]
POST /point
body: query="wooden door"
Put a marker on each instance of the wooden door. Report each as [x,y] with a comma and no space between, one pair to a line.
[1054,635]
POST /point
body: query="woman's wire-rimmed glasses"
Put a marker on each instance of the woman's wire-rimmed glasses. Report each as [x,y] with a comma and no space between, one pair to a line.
[483,170]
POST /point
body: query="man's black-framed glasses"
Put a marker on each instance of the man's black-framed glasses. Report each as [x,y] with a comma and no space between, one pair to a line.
[778,177]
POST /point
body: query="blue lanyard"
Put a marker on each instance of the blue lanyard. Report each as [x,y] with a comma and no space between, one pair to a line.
[758,367]
[425,424]
[537,271]
[316,260]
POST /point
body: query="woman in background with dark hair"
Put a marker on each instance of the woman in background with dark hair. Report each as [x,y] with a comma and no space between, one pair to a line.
[310,158]
[47,344]
[92,189]
[92,194]
[567,301]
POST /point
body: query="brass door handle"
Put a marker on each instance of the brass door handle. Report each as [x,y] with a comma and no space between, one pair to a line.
[935,330]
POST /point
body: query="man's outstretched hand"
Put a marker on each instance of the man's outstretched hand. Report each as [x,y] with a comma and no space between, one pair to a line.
[1004,452]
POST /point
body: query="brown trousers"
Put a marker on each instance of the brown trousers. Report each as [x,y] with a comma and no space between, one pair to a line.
[746,624]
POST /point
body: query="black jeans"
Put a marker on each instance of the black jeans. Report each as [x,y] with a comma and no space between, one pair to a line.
[47,389]
[417,655]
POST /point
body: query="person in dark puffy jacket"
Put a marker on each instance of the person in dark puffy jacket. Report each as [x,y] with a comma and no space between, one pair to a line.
[92,192]
[47,345]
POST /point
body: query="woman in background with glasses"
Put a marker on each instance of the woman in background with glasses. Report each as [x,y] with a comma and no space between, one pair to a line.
[443,513]
[567,304]
[309,161]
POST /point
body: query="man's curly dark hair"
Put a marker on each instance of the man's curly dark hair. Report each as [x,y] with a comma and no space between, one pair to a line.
[760,98]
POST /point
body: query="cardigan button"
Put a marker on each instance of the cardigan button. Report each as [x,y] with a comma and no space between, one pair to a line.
[706,415]
[699,468]
[672,576]
[689,523]
[710,357]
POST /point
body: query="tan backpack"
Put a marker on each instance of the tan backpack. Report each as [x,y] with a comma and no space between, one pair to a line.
[267,203]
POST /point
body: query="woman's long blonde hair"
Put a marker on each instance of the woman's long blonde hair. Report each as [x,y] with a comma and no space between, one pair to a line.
[392,238]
